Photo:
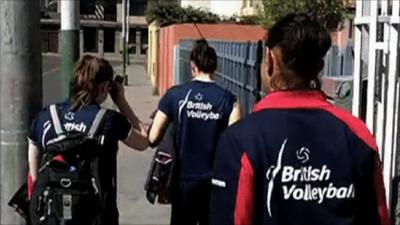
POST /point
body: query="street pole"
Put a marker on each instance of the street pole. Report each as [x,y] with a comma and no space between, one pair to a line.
[21,94]
[123,21]
[69,42]
[125,40]
[127,30]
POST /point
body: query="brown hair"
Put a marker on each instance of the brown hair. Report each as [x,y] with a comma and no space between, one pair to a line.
[90,71]
[303,43]
[204,57]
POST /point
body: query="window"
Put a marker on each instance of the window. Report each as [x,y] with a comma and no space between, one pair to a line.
[90,39]
[110,10]
[87,7]
[144,36]
[132,41]
[109,40]
[137,7]
[110,7]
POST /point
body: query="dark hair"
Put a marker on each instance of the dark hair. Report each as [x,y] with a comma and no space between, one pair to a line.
[90,71]
[204,57]
[303,42]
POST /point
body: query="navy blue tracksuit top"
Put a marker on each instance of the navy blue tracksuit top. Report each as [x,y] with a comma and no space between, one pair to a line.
[298,160]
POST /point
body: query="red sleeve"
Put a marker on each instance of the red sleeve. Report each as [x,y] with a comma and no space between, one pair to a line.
[232,194]
[245,195]
[380,194]
[30,186]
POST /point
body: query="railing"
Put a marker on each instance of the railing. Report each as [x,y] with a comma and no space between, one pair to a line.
[337,76]
[339,62]
[377,85]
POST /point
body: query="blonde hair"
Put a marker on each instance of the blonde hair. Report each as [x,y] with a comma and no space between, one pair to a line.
[90,71]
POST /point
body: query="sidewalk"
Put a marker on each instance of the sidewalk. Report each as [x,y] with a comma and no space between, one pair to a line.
[132,165]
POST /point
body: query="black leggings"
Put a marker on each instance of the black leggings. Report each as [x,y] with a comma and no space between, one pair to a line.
[191,203]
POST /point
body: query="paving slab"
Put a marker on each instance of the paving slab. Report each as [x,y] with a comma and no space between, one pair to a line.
[132,165]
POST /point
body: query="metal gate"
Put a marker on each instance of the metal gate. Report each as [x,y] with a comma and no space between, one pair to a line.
[239,68]
[376,83]
[339,62]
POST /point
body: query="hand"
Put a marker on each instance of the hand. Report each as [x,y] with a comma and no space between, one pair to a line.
[153,114]
[117,93]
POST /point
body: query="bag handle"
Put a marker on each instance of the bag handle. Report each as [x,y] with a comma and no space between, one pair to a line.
[59,128]
[98,120]
[55,118]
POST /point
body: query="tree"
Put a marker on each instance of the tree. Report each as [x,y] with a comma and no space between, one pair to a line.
[330,12]
[169,12]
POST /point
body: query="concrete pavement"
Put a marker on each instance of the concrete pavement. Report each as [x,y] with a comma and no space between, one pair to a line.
[132,165]
[51,78]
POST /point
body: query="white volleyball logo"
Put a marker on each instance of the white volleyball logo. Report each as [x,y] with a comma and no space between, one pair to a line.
[303,154]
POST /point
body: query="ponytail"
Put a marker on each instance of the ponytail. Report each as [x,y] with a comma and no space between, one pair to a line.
[90,71]
[204,57]
[303,43]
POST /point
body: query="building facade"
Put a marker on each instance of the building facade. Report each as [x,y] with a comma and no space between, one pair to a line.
[100,27]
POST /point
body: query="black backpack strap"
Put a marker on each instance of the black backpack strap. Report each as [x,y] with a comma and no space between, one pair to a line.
[55,118]
[97,122]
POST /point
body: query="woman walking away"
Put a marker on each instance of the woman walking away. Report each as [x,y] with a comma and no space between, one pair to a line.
[73,150]
[200,111]
[297,160]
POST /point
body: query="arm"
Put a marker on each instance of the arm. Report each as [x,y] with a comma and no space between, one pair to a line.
[127,111]
[34,157]
[161,119]
[158,128]
[232,194]
[137,137]
[137,140]
[236,114]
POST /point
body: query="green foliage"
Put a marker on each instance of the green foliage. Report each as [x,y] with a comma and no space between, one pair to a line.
[167,13]
[330,12]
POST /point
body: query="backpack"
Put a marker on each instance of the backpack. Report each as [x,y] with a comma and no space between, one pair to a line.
[67,190]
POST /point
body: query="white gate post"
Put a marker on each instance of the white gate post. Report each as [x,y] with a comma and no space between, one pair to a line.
[382,104]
